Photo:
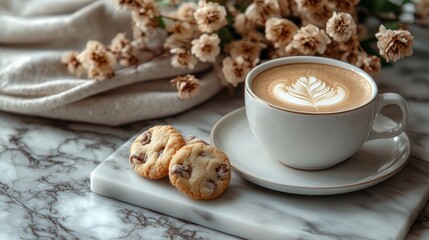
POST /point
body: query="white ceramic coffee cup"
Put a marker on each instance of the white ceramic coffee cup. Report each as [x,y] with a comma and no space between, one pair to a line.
[317,141]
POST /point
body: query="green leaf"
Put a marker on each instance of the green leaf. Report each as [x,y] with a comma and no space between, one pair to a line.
[380,6]
[227,35]
[370,47]
[242,5]
[163,2]
[391,25]
[160,22]
[221,2]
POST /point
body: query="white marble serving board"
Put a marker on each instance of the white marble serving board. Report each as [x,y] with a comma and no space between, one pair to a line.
[385,211]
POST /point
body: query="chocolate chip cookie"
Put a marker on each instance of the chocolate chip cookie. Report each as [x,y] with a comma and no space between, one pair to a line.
[152,151]
[190,139]
[200,171]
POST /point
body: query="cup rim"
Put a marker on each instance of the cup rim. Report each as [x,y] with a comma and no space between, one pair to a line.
[308,59]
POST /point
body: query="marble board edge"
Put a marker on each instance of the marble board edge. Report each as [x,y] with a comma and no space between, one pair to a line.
[196,210]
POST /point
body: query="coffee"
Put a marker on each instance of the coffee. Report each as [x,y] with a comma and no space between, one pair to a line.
[312,88]
[329,113]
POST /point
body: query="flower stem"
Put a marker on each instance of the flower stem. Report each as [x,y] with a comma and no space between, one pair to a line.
[175,19]
[154,54]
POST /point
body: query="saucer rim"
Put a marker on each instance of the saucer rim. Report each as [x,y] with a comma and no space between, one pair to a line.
[387,173]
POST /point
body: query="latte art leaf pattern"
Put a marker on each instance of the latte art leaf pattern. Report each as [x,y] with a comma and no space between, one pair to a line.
[309,91]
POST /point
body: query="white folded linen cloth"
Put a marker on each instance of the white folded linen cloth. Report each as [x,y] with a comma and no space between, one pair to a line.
[34,35]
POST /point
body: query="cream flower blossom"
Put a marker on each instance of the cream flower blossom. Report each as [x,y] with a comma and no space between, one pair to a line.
[349,45]
[128,4]
[140,38]
[247,29]
[180,28]
[422,9]
[394,44]
[206,47]
[309,40]
[280,31]
[291,51]
[242,24]
[303,5]
[217,69]
[146,24]
[176,41]
[148,8]
[187,86]
[255,36]
[186,11]
[341,27]
[210,16]
[361,59]
[97,60]
[123,50]
[285,8]
[245,48]
[337,49]
[262,10]
[354,57]
[362,32]
[315,12]
[347,6]
[74,66]
[277,53]
[371,65]
[182,58]
[235,70]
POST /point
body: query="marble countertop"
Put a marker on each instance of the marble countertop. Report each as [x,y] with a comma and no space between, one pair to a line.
[45,167]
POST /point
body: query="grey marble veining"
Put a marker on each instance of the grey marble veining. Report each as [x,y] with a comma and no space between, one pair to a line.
[420,228]
[44,184]
[44,181]
[253,212]
[45,167]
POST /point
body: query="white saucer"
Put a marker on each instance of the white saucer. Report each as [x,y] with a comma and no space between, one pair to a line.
[376,161]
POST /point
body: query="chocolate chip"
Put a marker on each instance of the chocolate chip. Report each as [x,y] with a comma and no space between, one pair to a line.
[183,171]
[189,138]
[203,154]
[161,151]
[202,141]
[192,139]
[146,138]
[210,185]
[222,170]
[134,159]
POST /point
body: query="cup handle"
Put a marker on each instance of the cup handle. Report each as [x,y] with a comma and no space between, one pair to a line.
[390,99]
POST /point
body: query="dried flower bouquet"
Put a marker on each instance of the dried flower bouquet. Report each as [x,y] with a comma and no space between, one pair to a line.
[237,35]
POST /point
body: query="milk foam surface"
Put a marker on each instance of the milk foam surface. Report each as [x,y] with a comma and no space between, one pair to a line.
[313,88]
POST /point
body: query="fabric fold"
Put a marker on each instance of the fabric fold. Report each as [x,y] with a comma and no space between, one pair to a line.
[34,82]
